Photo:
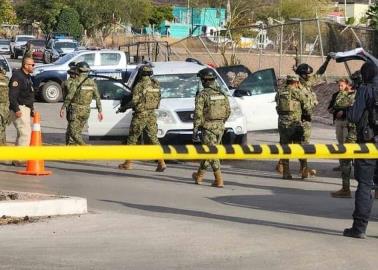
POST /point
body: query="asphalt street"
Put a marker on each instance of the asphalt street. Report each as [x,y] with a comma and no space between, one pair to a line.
[141,219]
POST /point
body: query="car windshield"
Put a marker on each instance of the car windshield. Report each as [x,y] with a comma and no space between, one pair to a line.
[39,43]
[65,58]
[4,42]
[66,45]
[22,39]
[183,85]
[261,82]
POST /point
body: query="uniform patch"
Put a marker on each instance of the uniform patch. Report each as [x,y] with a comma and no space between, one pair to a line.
[217,97]
[87,87]
[153,90]
[3,84]
[14,83]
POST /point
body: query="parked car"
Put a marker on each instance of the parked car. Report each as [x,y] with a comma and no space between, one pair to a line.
[4,46]
[4,63]
[179,84]
[38,46]
[57,48]
[356,54]
[256,95]
[16,43]
[47,79]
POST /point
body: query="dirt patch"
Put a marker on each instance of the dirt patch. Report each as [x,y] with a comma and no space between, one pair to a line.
[25,196]
[4,220]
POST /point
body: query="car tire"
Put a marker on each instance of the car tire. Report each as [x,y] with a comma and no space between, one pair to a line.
[51,92]
[241,139]
[231,138]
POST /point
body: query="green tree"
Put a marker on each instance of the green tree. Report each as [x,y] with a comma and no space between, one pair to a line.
[7,12]
[69,22]
[372,15]
[161,13]
[44,11]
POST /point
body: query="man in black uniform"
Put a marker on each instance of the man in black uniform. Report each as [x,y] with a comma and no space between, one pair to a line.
[364,113]
[21,99]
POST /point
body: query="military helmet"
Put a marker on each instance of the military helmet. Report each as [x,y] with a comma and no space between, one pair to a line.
[72,64]
[304,69]
[292,78]
[146,71]
[207,74]
[83,67]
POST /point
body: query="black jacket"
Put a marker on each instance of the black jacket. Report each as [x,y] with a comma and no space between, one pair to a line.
[20,91]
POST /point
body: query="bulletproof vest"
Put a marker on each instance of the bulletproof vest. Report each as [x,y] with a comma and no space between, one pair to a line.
[216,108]
[374,112]
[4,92]
[152,96]
[286,104]
[84,93]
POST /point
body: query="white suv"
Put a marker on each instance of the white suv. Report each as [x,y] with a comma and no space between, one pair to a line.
[179,84]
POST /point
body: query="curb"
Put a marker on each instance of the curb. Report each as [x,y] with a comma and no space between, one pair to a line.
[51,205]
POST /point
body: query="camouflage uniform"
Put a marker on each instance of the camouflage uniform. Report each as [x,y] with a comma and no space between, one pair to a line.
[81,91]
[4,106]
[212,109]
[144,118]
[344,100]
[291,105]
[29,51]
[145,100]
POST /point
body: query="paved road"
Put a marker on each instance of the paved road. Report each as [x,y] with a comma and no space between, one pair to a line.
[141,219]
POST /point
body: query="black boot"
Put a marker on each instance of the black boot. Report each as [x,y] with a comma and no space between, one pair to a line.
[350,232]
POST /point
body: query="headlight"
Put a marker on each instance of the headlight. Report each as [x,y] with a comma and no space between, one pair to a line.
[165,117]
[236,113]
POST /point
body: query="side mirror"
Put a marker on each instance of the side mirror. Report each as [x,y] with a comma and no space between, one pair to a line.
[241,93]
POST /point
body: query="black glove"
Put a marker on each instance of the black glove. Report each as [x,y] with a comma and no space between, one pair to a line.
[196,137]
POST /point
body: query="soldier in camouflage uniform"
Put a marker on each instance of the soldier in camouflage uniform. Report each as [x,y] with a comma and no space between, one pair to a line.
[346,133]
[212,109]
[308,81]
[145,100]
[77,104]
[4,105]
[291,105]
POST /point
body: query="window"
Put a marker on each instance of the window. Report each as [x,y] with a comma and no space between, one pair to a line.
[182,85]
[110,59]
[89,58]
[261,82]
[111,90]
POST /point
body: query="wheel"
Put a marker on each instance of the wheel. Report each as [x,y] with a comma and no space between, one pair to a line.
[241,139]
[51,92]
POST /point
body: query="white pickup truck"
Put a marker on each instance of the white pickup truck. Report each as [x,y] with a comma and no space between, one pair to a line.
[47,79]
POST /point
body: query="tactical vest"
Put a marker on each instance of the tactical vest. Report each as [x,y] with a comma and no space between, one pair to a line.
[151,97]
[285,103]
[84,94]
[217,107]
[374,113]
[4,92]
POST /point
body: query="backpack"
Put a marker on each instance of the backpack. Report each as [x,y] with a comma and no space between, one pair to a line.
[152,97]
[217,109]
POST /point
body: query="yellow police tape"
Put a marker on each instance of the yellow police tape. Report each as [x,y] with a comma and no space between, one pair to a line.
[191,152]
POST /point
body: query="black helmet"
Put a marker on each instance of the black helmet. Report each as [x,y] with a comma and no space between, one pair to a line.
[72,64]
[304,69]
[207,74]
[146,71]
[83,67]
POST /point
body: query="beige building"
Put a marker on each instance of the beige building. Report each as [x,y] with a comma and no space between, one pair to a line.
[355,9]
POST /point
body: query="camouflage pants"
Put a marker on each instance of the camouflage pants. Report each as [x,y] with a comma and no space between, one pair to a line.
[3,124]
[306,131]
[77,117]
[346,164]
[143,121]
[290,134]
[210,138]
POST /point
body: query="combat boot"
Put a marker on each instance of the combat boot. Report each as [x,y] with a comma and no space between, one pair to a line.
[342,193]
[305,171]
[286,171]
[279,167]
[218,180]
[127,165]
[161,166]
[198,177]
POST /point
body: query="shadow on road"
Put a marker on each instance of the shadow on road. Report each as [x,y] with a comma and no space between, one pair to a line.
[202,214]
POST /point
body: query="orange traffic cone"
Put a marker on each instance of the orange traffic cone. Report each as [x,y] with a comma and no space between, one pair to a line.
[35,167]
